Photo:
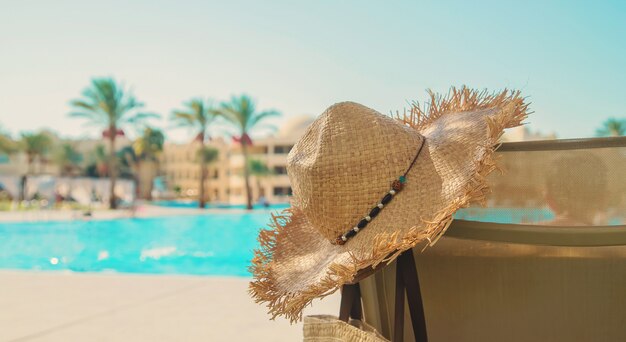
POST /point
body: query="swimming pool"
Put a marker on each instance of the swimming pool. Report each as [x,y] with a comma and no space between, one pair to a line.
[212,244]
[194,204]
[207,244]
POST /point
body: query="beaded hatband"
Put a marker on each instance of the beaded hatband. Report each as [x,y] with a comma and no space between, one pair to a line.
[396,186]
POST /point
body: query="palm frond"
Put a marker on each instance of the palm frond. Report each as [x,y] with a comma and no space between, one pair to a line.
[198,114]
[241,112]
[91,117]
[183,119]
[612,127]
[107,103]
[232,116]
[141,117]
[85,105]
[261,116]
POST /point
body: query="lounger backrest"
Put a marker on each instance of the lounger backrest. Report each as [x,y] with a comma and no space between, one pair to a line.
[545,261]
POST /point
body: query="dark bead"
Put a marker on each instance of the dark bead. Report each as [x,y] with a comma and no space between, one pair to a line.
[339,241]
[386,199]
[397,185]
[374,212]
[362,223]
[350,233]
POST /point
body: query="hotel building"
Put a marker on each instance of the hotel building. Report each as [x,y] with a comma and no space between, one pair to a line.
[225,182]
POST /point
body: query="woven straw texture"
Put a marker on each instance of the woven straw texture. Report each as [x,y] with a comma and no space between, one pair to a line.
[325,328]
[342,167]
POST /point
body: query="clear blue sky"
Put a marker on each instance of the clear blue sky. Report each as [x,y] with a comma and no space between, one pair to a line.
[569,57]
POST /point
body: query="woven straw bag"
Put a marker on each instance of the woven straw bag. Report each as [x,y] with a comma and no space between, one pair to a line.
[327,328]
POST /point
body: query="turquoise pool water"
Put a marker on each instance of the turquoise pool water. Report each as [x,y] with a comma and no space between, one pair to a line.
[209,244]
[194,204]
[212,244]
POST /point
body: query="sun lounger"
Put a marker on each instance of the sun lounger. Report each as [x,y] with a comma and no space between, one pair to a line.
[550,266]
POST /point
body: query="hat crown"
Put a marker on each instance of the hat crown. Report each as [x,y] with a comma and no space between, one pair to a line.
[344,164]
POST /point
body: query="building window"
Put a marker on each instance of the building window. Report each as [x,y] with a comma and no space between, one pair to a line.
[280,170]
[282,191]
[282,149]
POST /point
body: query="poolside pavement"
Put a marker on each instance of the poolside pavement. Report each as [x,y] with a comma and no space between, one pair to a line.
[143,210]
[55,306]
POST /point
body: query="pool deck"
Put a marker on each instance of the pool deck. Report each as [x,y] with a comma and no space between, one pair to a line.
[51,306]
[141,211]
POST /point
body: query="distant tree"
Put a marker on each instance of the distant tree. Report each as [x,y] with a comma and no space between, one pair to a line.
[68,159]
[198,115]
[97,162]
[207,155]
[127,162]
[241,111]
[108,104]
[36,146]
[177,189]
[259,170]
[7,144]
[148,147]
[612,128]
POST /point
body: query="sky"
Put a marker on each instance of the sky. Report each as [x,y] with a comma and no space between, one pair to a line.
[299,57]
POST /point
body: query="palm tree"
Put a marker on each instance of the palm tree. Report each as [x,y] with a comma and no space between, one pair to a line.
[198,115]
[36,146]
[68,159]
[259,170]
[7,144]
[242,113]
[147,148]
[612,128]
[106,103]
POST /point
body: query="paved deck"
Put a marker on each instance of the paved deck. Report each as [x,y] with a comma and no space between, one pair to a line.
[141,211]
[38,306]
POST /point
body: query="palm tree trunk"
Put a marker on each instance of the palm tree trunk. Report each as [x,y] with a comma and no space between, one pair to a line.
[112,167]
[151,177]
[151,183]
[246,173]
[201,198]
[138,190]
[23,181]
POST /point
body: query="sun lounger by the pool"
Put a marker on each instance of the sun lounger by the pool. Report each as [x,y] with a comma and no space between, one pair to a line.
[551,278]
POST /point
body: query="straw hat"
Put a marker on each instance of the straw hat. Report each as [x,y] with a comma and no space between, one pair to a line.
[346,172]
